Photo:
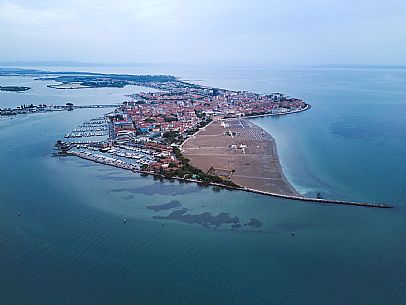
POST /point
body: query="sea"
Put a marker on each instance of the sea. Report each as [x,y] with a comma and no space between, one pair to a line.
[63,238]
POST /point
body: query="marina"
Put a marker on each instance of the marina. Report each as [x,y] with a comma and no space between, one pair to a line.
[97,127]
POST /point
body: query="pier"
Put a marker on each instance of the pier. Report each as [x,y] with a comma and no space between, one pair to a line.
[320,200]
[103,160]
[33,109]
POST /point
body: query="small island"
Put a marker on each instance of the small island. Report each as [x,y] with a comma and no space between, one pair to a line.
[105,80]
[14,88]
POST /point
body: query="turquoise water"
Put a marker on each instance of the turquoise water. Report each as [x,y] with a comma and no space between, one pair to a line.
[70,245]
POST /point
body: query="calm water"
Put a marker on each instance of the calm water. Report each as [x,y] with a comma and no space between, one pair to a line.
[70,245]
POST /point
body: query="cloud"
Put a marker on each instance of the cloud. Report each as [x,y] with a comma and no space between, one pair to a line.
[283,31]
[18,14]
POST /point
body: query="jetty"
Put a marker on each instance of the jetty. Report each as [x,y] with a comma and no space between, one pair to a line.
[33,109]
[103,160]
[321,200]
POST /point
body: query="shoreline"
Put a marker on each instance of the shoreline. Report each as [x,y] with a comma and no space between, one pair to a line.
[126,166]
[289,192]
[289,184]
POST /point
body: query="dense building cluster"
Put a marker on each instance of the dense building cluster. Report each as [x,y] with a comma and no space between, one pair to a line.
[145,133]
[183,108]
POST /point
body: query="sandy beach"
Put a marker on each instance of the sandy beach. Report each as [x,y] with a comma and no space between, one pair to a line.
[241,150]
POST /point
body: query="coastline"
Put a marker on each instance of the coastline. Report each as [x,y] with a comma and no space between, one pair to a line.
[279,164]
[126,166]
[232,157]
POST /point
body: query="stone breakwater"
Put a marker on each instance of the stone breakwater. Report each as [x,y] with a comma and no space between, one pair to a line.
[323,201]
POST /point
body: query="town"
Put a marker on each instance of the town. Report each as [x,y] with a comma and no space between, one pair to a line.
[145,133]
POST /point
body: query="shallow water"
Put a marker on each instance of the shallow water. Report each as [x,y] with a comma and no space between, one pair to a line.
[70,245]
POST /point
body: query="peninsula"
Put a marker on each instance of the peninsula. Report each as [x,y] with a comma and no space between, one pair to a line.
[185,131]
[182,131]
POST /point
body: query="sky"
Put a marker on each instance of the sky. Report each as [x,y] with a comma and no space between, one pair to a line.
[303,32]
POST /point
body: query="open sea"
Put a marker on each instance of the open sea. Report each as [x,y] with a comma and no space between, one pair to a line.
[70,245]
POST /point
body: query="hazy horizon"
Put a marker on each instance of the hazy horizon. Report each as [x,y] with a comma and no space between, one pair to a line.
[311,32]
[76,64]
